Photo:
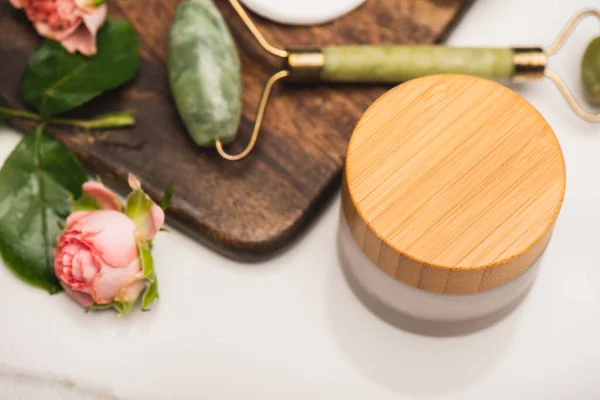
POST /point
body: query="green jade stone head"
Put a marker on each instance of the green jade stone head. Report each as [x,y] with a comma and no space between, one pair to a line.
[590,71]
[205,73]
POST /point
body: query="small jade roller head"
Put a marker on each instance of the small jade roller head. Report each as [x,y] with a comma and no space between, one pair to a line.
[590,71]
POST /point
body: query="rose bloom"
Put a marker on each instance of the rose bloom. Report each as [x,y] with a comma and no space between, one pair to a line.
[97,258]
[73,23]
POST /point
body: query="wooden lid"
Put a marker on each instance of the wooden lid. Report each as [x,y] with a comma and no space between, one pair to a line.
[453,184]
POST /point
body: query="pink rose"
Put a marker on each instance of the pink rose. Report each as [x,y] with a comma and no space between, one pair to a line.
[99,259]
[73,23]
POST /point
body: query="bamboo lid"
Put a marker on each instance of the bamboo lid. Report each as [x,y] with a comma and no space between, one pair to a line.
[453,184]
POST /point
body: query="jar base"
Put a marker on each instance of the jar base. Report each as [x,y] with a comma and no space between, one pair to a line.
[422,311]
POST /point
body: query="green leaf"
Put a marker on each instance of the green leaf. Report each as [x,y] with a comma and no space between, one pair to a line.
[150,296]
[86,203]
[147,261]
[56,81]
[36,182]
[151,292]
[138,205]
[122,307]
[167,198]
[138,209]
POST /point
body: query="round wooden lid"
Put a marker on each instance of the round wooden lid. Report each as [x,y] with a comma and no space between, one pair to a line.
[453,183]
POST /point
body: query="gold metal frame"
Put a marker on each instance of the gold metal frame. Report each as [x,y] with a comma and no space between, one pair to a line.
[305,64]
[255,32]
[554,77]
[264,100]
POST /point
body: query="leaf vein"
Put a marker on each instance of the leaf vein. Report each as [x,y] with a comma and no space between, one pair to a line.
[38,175]
[64,79]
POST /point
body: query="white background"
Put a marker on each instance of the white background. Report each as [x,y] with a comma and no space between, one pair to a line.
[292,328]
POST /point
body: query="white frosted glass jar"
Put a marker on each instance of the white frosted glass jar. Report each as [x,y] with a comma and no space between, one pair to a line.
[420,304]
[451,191]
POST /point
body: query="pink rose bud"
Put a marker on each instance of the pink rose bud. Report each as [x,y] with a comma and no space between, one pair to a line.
[73,23]
[103,256]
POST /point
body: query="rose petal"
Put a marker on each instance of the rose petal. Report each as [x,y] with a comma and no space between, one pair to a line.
[66,259]
[83,39]
[158,217]
[58,268]
[131,292]
[83,3]
[110,281]
[150,224]
[59,35]
[76,268]
[89,271]
[74,219]
[80,41]
[74,23]
[72,248]
[94,18]
[83,299]
[87,268]
[105,198]
[111,236]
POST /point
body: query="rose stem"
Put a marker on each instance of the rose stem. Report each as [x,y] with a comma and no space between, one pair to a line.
[114,120]
[20,113]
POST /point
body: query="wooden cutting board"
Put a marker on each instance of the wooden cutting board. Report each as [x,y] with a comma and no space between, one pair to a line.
[251,208]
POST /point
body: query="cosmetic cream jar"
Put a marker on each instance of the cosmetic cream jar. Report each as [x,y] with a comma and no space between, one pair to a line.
[451,190]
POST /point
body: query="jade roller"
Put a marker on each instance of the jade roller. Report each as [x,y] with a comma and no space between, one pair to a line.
[399,63]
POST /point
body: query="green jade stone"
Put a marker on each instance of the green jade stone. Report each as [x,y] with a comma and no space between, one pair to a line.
[205,73]
[393,64]
[590,71]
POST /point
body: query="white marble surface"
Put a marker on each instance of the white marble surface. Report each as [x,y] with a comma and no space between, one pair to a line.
[302,12]
[291,328]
